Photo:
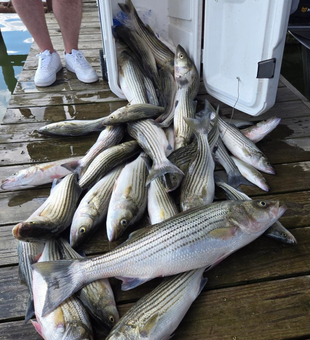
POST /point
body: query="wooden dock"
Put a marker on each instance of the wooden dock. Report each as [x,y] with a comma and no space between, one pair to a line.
[260,292]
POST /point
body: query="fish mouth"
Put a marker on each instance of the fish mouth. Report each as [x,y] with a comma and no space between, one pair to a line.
[16,230]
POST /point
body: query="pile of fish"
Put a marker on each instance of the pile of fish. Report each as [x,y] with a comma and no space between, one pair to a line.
[156,154]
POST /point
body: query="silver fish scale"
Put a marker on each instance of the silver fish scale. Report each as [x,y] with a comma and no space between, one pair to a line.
[166,297]
[110,136]
[200,175]
[231,135]
[184,108]
[160,202]
[106,160]
[60,205]
[150,143]
[134,78]
[179,242]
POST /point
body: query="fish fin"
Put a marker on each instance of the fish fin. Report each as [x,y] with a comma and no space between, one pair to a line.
[29,309]
[149,325]
[203,282]
[71,166]
[60,279]
[278,232]
[235,179]
[162,169]
[131,282]
[54,183]
[223,233]
[37,327]
[199,125]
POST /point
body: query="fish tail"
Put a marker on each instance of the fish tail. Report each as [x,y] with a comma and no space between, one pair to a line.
[235,179]
[199,125]
[162,169]
[63,278]
[29,309]
[72,166]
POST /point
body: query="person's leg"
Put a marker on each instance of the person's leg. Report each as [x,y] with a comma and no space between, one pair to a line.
[69,16]
[32,14]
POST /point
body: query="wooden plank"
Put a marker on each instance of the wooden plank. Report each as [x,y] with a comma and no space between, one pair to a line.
[45,151]
[58,113]
[17,330]
[70,97]
[264,311]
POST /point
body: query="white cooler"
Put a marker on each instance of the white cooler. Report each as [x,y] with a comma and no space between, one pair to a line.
[238,44]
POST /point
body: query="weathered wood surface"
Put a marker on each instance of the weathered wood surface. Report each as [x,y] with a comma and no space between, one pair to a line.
[260,292]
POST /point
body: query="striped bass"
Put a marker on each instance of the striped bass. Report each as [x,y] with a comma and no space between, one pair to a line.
[198,186]
[158,314]
[28,253]
[97,297]
[54,215]
[185,72]
[106,161]
[244,149]
[234,176]
[258,131]
[199,237]
[153,141]
[38,174]
[70,320]
[185,107]
[72,127]
[160,204]
[134,112]
[93,208]
[110,136]
[131,79]
[163,55]
[276,231]
[251,174]
[128,199]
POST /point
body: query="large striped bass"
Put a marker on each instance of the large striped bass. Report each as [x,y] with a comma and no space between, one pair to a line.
[70,320]
[158,314]
[196,238]
[198,186]
[38,174]
[106,161]
[128,199]
[243,148]
[54,215]
[72,127]
[93,208]
[110,136]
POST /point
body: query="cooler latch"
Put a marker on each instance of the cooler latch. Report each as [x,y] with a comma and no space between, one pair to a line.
[266,68]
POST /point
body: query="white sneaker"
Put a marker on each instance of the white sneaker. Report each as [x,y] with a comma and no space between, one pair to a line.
[49,65]
[76,63]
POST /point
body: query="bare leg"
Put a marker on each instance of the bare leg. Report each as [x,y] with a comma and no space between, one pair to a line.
[69,16]
[32,14]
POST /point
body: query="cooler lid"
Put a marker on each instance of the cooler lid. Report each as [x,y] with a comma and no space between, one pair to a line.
[242,53]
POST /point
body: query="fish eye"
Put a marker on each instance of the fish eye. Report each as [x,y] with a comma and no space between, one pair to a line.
[31,222]
[112,117]
[123,222]
[283,234]
[181,55]
[262,203]
[111,318]
[82,230]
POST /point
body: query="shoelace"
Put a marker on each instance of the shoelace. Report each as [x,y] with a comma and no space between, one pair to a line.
[45,61]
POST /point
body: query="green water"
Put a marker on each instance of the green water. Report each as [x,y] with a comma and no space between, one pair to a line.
[15,43]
